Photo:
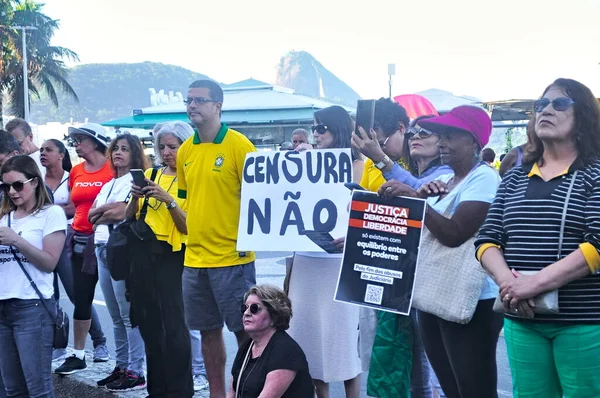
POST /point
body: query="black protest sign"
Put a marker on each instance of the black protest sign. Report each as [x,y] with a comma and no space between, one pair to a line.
[380,257]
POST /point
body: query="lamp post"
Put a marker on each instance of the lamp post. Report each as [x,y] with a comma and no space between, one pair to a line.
[24,30]
[391,72]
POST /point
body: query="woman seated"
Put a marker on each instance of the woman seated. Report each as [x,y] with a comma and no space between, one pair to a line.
[271,363]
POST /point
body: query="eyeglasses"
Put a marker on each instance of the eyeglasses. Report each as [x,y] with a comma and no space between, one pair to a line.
[254,308]
[79,140]
[319,128]
[17,185]
[559,104]
[198,100]
[418,132]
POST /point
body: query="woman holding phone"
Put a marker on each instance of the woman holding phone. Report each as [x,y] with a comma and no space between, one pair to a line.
[326,330]
[124,153]
[156,285]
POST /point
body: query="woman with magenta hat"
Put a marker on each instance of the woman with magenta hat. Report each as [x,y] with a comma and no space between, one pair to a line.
[463,356]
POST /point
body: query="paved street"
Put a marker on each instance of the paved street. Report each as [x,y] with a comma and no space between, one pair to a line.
[270,268]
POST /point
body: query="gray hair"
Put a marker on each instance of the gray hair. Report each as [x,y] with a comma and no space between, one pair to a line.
[180,130]
[300,131]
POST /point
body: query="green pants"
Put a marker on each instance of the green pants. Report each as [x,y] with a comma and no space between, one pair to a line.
[552,360]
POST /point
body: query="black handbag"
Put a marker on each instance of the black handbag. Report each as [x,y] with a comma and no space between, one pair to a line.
[124,239]
[60,319]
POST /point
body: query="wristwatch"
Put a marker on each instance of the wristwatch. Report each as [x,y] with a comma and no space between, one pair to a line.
[172,205]
[383,162]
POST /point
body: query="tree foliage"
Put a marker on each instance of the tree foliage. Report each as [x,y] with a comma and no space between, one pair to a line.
[47,73]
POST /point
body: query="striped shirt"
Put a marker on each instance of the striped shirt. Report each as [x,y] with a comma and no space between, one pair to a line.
[524,221]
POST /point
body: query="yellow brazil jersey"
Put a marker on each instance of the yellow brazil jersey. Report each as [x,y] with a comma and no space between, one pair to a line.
[372,177]
[159,217]
[210,177]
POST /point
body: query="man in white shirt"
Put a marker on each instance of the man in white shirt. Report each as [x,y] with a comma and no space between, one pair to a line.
[21,130]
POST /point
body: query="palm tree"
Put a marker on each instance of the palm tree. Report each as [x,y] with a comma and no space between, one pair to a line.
[45,63]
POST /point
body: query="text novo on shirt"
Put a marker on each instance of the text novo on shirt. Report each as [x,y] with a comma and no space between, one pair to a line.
[87,184]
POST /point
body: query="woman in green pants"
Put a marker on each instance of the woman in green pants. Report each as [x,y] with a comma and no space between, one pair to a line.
[546,218]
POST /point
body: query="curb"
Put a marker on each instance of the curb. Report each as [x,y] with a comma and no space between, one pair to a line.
[83,383]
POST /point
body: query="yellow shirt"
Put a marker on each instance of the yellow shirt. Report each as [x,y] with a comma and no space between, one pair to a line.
[372,178]
[210,177]
[159,217]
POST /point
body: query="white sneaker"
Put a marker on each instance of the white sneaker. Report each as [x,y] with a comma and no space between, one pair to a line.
[200,383]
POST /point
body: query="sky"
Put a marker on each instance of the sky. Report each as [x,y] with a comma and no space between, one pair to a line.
[492,50]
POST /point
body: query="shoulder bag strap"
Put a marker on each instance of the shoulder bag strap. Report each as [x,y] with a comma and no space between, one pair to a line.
[564,215]
[238,393]
[145,205]
[33,285]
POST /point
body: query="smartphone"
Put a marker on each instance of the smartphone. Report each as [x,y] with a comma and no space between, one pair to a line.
[323,240]
[354,186]
[365,115]
[139,178]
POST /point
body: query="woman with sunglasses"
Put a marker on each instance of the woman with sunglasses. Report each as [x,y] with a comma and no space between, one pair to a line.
[156,288]
[270,363]
[556,189]
[32,230]
[326,330]
[417,163]
[463,356]
[125,152]
[389,141]
[85,181]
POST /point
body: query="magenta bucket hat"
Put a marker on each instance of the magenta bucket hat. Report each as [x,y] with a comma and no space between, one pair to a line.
[467,118]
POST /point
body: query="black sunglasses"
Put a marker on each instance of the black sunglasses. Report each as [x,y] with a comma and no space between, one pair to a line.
[559,104]
[419,132]
[197,100]
[319,128]
[17,185]
[254,308]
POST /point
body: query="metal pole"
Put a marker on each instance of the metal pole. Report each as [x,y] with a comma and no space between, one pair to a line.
[25,77]
[25,74]
[391,72]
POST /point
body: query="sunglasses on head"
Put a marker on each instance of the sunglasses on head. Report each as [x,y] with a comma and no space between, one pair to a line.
[319,128]
[17,185]
[559,104]
[254,308]
[418,132]
[197,100]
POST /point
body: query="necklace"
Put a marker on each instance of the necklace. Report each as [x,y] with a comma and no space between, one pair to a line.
[152,202]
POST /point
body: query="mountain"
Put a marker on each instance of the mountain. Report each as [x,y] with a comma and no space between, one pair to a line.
[110,91]
[300,71]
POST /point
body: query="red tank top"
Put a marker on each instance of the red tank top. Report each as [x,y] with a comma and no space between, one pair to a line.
[84,187]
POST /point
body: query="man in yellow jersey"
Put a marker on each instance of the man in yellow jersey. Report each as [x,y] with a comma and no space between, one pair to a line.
[216,276]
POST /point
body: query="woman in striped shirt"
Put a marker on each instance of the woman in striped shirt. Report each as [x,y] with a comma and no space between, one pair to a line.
[551,355]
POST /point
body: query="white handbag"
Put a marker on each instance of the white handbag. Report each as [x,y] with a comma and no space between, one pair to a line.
[448,280]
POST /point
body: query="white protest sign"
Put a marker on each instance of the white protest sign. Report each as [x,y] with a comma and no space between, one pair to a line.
[286,193]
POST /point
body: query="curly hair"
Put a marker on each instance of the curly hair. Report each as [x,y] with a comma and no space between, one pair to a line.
[586,129]
[276,302]
[388,116]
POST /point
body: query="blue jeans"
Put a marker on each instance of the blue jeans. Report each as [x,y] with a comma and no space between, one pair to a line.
[197,358]
[129,344]
[26,336]
[65,273]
